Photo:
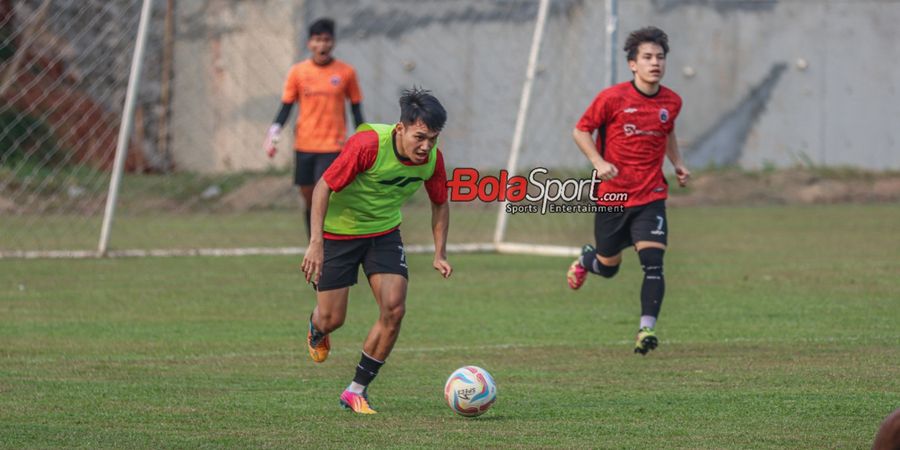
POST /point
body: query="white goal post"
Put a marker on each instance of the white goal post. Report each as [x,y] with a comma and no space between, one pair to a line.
[52,203]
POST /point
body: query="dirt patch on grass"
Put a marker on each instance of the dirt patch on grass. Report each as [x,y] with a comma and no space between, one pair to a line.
[262,193]
[6,205]
[268,192]
[724,187]
[795,186]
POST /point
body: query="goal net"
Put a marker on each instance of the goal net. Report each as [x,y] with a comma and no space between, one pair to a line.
[196,179]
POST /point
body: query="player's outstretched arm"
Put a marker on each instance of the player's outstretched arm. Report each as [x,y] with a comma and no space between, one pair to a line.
[315,253]
[674,154]
[440,225]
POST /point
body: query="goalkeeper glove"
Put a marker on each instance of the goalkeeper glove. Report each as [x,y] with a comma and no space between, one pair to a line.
[272,138]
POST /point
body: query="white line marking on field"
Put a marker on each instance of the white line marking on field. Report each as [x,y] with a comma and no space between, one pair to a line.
[300,351]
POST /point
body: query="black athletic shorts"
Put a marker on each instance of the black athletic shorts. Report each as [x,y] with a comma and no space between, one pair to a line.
[309,167]
[616,231]
[380,254]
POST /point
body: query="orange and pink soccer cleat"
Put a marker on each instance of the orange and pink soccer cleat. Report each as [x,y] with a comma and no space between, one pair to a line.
[356,403]
[577,273]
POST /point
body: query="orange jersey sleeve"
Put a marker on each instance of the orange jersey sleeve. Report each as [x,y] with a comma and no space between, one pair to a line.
[291,91]
[354,94]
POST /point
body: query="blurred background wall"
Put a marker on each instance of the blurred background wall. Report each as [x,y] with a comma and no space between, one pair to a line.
[764,83]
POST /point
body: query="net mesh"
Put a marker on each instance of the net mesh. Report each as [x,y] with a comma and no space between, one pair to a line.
[197,176]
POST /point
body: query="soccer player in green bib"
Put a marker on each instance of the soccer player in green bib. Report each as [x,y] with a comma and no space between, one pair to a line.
[356,221]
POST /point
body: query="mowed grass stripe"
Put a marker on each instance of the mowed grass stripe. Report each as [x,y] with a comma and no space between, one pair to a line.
[778,331]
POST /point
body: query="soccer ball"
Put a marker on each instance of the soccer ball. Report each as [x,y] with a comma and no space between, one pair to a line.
[470,391]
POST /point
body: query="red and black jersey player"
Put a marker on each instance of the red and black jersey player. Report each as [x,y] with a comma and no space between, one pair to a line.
[635,125]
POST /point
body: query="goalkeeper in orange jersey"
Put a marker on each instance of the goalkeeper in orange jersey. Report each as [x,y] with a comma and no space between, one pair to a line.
[320,84]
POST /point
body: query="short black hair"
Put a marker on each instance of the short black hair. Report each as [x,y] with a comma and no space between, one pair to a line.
[323,25]
[645,35]
[418,104]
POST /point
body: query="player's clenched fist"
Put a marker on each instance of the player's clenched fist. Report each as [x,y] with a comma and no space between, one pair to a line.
[606,171]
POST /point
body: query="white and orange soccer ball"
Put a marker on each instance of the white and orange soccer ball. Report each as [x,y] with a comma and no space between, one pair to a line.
[470,391]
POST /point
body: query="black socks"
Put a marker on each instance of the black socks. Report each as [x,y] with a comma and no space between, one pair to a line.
[367,369]
[654,287]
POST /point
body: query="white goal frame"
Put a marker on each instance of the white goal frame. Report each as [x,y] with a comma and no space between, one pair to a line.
[499,244]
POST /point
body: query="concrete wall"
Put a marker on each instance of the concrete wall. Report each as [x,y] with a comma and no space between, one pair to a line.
[751,100]
[767,82]
[230,61]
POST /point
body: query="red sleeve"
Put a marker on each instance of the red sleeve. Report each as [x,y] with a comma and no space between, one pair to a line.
[595,116]
[357,156]
[677,110]
[437,184]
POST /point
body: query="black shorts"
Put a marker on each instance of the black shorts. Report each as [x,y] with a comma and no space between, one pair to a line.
[616,231]
[380,254]
[309,167]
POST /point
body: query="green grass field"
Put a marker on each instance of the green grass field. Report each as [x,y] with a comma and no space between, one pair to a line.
[779,330]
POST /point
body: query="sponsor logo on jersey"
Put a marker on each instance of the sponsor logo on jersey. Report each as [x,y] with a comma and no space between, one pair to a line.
[400,181]
[632,130]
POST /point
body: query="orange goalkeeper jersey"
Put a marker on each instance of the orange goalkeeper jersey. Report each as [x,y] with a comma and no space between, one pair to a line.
[321,92]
